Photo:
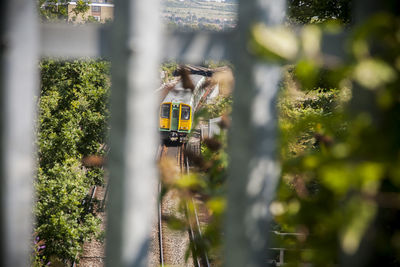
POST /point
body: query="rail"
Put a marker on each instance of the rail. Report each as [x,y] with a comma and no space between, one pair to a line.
[88,208]
[160,232]
[196,229]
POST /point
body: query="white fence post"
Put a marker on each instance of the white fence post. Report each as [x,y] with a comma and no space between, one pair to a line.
[135,61]
[253,174]
[18,86]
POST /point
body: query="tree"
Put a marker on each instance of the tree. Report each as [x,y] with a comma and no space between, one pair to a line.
[306,11]
[81,8]
[73,114]
[51,10]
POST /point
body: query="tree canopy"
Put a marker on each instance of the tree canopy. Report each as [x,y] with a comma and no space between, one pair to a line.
[306,11]
[73,114]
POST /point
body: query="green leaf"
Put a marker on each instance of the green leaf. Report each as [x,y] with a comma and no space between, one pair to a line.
[373,73]
[276,44]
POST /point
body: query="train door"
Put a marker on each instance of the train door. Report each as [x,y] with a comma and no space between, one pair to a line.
[175,117]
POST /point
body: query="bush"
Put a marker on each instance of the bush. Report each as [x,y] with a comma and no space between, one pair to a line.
[340,177]
[73,114]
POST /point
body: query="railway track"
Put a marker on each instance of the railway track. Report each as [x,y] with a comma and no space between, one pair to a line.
[162,149]
[200,257]
[93,251]
[167,244]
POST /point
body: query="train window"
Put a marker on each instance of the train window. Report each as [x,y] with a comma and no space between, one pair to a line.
[185,113]
[165,111]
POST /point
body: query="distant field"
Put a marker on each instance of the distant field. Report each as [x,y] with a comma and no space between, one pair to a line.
[210,10]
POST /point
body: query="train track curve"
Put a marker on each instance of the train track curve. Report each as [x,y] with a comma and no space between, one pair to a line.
[172,245]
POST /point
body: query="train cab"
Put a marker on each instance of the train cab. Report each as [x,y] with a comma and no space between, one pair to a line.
[177,109]
[175,121]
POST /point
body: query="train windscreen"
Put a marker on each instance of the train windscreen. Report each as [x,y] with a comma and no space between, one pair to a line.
[165,110]
[185,113]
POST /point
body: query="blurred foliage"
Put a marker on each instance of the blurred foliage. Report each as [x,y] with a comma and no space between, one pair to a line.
[317,11]
[73,114]
[340,146]
[221,106]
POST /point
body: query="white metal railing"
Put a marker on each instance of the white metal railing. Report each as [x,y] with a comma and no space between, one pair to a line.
[136,45]
[19,55]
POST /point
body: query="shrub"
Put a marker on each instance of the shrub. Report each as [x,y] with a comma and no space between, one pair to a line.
[73,113]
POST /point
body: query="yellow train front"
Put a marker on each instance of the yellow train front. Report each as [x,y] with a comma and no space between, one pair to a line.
[175,121]
[177,109]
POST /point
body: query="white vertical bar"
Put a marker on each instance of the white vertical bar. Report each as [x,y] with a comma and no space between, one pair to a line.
[133,182]
[18,86]
[253,173]
[281,257]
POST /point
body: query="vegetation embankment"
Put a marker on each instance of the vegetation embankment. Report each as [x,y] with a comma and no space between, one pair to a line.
[72,125]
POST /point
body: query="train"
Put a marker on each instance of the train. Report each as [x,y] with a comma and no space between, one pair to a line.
[178,107]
